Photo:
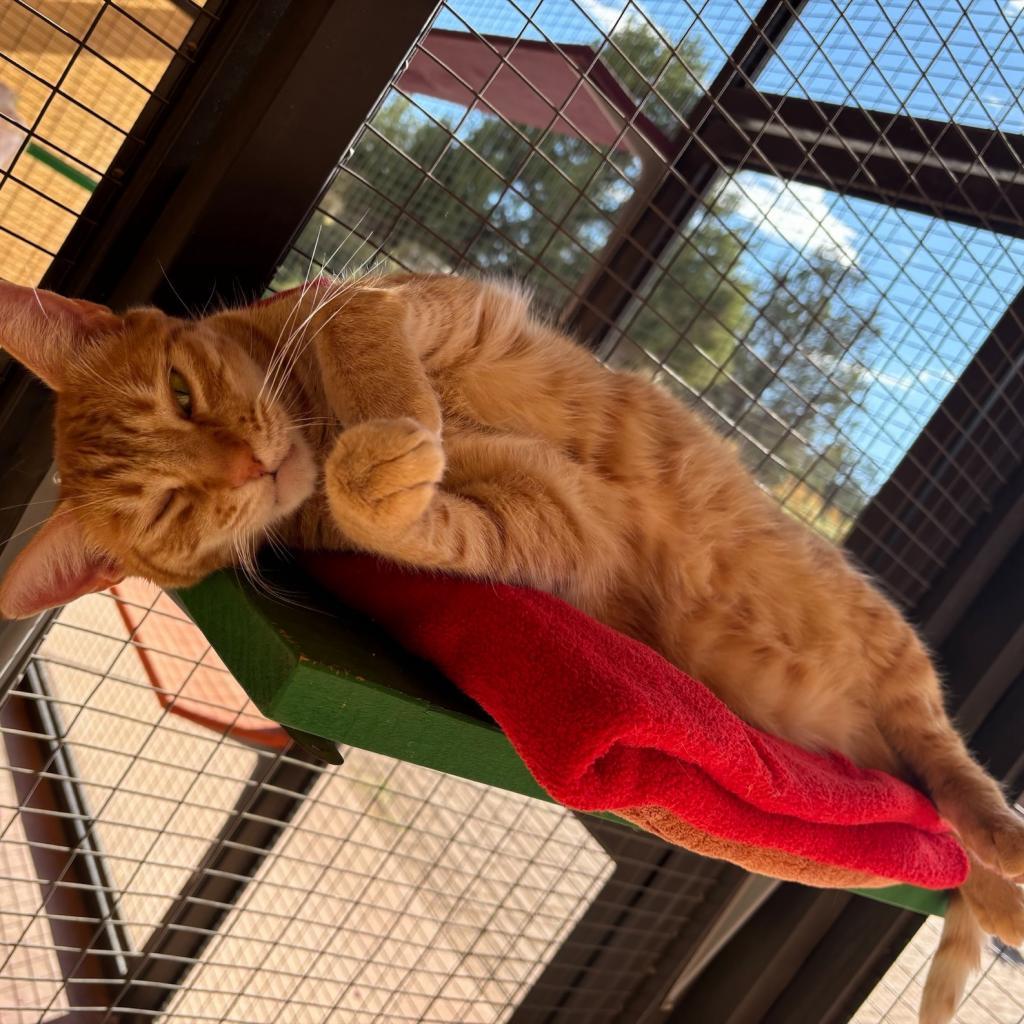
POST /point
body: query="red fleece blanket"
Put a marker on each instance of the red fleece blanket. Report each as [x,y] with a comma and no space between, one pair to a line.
[604,724]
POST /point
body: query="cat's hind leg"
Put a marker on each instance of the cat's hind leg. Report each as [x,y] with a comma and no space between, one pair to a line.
[912,718]
[996,902]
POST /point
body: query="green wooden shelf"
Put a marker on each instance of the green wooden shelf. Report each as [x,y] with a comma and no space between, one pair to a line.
[319,668]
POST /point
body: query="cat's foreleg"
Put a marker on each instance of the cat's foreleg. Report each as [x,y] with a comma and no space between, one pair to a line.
[512,509]
[369,366]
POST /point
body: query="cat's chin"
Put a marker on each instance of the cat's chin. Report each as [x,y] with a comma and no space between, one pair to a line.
[294,481]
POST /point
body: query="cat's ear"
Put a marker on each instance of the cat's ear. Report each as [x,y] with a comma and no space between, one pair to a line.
[55,567]
[47,333]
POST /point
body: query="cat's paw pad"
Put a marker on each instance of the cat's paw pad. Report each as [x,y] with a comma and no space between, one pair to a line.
[381,476]
[997,839]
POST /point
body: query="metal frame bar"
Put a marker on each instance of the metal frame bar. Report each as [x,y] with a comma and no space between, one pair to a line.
[274,793]
[669,892]
[219,192]
[91,945]
[909,162]
[988,392]
[655,214]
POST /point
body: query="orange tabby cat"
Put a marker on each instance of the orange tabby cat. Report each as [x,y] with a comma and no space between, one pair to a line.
[318,417]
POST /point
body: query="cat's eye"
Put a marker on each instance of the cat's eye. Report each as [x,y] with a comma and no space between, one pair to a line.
[165,507]
[182,393]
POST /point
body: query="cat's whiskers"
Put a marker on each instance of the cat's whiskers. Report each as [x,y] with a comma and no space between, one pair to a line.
[174,291]
[109,385]
[280,351]
[301,349]
[39,303]
[277,369]
[291,313]
[322,421]
[297,342]
[57,515]
[276,543]
[244,548]
[28,504]
[295,339]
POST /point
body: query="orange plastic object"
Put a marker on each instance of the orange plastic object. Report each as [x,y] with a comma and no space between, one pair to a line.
[187,677]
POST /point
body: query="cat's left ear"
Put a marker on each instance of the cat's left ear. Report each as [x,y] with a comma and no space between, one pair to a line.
[48,333]
[57,565]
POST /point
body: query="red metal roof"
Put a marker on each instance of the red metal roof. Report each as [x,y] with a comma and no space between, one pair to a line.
[533,83]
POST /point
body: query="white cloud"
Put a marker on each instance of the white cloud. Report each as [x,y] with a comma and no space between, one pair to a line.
[1012,8]
[797,214]
[606,15]
[908,381]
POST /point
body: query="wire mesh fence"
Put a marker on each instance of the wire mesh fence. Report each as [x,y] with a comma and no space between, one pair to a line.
[74,78]
[994,996]
[397,893]
[821,330]
[802,217]
[820,324]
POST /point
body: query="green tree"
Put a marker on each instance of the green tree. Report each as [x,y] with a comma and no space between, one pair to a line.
[800,364]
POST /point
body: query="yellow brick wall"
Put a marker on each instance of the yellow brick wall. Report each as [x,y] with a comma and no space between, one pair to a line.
[82,71]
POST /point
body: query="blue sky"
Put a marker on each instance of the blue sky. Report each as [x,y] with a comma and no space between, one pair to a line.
[939,287]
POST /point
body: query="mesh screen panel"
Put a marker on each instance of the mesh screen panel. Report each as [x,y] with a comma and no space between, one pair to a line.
[74,76]
[956,62]
[818,321]
[819,329]
[397,893]
[994,996]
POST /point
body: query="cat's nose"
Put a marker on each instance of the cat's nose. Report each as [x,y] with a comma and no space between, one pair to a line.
[243,466]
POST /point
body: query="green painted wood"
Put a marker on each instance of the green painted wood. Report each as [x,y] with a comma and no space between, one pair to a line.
[321,669]
[910,897]
[325,670]
[61,166]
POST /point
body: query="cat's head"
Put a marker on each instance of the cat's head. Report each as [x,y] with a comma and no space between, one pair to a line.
[172,449]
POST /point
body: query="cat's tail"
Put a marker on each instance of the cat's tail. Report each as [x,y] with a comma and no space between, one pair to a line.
[958,956]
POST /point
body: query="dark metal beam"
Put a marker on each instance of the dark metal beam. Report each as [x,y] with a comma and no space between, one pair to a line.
[939,168]
[245,152]
[999,737]
[750,973]
[78,896]
[984,654]
[845,963]
[974,564]
[956,469]
[656,907]
[274,793]
[655,214]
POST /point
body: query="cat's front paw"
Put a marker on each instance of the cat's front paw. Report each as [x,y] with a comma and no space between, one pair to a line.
[380,478]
